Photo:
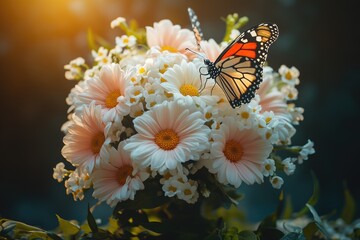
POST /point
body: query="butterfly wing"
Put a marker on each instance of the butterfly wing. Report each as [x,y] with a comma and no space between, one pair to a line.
[241,63]
[195,25]
[239,78]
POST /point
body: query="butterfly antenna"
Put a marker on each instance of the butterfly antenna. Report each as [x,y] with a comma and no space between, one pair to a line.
[196,53]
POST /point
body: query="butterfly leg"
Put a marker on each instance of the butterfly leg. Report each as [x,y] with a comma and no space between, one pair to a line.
[202,83]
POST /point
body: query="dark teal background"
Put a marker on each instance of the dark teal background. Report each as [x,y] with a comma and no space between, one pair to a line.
[38,37]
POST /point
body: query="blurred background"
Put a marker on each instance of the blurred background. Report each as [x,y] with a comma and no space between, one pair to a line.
[38,37]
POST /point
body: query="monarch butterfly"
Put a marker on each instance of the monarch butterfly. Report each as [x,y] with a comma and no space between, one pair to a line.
[239,67]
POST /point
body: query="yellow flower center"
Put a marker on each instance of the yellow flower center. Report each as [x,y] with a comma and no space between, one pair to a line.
[233,151]
[189,90]
[275,181]
[268,135]
[167,139]
[142,70]
[163,70]
[268,120]
[268,167]
[111,99]
[97,142]
[245,115]
[208,115]
[172,189]
[288,75]
[187,192]
[169,48]
[123,173]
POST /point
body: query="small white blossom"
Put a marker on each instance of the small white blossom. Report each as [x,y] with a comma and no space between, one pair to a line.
[117,22]
[289,166]
[276,182]
[268,167]
[306,150]
[289,75]
[59,172]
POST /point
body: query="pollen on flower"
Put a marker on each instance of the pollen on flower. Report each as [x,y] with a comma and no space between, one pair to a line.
[233,151]
[268,135]
[167,139]
[163,70]
[172,188]
[123,173]
[142,70]
[187,192]
[268,120]
[169,48]
[208,115]
[111,99]
[288,75]
[189,90]
[245,115]
[97,142]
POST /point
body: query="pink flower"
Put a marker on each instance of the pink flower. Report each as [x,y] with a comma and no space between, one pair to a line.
[85,139]
[109,91]
[169,37]
[117,179]
[237,155]
[270,98]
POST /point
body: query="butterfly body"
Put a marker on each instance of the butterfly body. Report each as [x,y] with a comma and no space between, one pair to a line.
[238,68]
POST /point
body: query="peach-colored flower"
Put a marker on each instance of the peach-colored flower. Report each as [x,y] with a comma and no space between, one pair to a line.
[270,98]
[108,90]
[211,49]
[169,37]
[117,179]
[85,139]
[237,155]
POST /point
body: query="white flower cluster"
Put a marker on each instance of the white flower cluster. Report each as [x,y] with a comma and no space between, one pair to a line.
[138,113]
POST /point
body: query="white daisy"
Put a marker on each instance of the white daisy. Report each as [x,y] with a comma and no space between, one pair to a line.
[237,155]
[117,179]
[184,80]
[167,135]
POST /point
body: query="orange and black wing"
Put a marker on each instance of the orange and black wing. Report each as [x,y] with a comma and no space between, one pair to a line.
[241,63]
[195,25]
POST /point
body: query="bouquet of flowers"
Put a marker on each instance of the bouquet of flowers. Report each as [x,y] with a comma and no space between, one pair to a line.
[159,143]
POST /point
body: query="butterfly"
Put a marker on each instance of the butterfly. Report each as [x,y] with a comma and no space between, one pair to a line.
[239,67]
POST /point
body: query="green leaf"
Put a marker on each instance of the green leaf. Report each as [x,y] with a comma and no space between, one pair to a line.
[91,40]
[91,221]
[318,221]
[310,229]
[54,236]
[247,235]
[270,234]
[288,209]
[349,208]
[67,227]
[312,200]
